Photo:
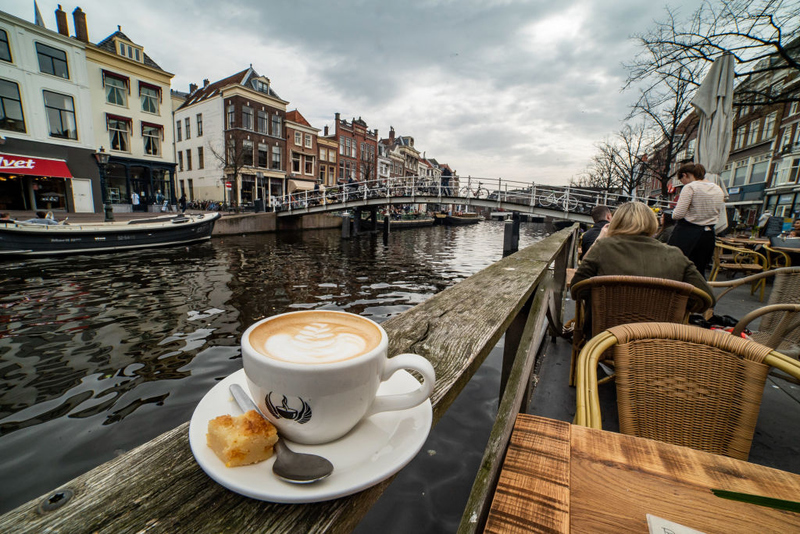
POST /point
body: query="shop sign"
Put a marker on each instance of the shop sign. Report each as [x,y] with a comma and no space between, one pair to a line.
[14,164]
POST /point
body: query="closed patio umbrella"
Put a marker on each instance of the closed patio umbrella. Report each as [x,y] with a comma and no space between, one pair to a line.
[713,103]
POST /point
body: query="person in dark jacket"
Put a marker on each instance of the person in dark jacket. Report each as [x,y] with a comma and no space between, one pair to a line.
[601,215]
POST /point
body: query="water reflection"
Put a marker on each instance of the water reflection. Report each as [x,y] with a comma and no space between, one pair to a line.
[101,353]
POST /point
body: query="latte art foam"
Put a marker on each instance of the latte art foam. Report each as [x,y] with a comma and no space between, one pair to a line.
[315,337]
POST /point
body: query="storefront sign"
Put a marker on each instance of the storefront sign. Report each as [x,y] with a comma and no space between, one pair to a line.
[13,164]
[733,190]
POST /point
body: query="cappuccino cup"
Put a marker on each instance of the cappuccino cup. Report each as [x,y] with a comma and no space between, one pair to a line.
[315,374]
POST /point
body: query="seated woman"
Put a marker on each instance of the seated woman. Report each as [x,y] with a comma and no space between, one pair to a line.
[628,248]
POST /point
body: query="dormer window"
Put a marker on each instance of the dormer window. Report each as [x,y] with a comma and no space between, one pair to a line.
[261,85]
[129,51]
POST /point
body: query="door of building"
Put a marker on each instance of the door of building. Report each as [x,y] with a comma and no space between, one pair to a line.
[82,195]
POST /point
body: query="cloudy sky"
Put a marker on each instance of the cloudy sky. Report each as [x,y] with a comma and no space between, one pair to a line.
[496,88]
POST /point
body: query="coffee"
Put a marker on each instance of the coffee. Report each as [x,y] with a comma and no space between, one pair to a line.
[316,336]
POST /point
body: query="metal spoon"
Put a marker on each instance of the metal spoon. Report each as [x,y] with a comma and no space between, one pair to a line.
[295,467]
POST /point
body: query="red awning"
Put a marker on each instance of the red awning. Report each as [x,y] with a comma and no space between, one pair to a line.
[13,164]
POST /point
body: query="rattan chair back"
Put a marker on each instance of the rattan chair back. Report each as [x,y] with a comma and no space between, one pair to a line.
[785,290]
[689,386]
[615,300]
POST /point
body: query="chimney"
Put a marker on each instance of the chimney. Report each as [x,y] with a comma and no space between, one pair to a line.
[391,134]
[337,118]
[205,82]
[79,18]
[326,131]
[61,21]
[192,87]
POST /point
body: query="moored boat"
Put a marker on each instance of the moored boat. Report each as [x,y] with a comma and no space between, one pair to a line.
[18,238]
[460,219]
[398,224]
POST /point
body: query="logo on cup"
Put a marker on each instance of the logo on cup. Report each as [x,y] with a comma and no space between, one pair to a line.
[284,411]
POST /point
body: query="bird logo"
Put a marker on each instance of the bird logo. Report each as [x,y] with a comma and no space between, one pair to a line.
[284,411]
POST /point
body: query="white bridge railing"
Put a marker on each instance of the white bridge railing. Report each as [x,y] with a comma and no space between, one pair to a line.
[456,190]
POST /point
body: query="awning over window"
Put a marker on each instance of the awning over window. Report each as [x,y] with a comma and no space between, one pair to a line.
[153,125]
[300,185]
[150,86]
[110,117]
[13,164]
[123,78]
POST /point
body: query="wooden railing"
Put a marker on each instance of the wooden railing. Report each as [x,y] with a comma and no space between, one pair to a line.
[158,487]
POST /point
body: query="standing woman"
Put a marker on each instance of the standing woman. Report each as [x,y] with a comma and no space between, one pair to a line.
[697,212]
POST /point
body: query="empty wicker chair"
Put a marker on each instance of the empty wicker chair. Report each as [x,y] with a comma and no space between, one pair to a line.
[631,299]
[681,384]
[739,260]
[780,318]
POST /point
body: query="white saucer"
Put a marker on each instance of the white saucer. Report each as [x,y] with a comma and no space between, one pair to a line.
[373,451]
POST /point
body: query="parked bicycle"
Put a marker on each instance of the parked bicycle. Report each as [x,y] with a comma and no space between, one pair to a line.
[564,201]
[480,192]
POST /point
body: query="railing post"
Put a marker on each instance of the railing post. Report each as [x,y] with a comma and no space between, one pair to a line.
[533,195]
[413,188]
[305,195]
[566,200]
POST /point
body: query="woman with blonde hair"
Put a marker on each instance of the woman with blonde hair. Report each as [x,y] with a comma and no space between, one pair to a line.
[628,248]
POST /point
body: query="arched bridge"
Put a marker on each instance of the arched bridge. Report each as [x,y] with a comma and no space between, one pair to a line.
[465,193]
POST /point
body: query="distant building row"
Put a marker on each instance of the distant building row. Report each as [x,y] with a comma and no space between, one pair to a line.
[62,98]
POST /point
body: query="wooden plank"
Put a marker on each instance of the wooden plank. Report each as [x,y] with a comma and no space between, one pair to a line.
[533,493]
[477,507]
[159,487]
[618,479]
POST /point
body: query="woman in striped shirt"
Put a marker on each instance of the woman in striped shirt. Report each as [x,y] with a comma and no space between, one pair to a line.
[698,209]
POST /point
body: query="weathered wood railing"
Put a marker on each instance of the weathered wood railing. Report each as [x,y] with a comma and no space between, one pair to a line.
[158,487]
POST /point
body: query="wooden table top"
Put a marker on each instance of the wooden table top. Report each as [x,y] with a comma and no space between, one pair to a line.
[745,241]
[559,477]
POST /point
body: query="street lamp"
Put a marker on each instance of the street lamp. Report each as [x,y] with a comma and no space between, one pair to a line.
[102,162]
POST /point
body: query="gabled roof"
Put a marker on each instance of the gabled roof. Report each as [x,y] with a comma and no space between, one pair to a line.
[295,116]
[243,78]
[107,44]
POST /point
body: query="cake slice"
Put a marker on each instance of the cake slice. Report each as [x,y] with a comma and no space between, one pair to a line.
[241,440]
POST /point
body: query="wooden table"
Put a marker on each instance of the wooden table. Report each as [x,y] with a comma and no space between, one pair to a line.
[744,241]
[563,478]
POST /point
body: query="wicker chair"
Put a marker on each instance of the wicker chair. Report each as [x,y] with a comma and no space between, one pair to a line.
[681,384]
[618,300]
[739,260]
[780,318]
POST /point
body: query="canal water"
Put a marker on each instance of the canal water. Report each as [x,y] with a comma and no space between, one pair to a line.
[99,354]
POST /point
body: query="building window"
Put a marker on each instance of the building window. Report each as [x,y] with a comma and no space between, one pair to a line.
[5,50]
[276,158]
[52,60]
[11,117]
[276,126]
[178,130]
[323,154]
[231,116]
[309,163]
[298,139]
[295,163]
[188,124]
[200,126]
[263,123]
[769,124]
[262,156]
[247,153]
[180,161]
[191,188]
[786,140]
[201,164]
[322,174]
[188,160]
[759,172]
[787,172]
[149,98]
[247,118]
[753,137]
[740,133]
[308,141]
[793,108]
[740,174]
[341,148]
[60,111]
[116,90]
[152,140]
[118,134]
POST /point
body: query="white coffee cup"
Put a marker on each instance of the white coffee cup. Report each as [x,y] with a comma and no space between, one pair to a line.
[315,374]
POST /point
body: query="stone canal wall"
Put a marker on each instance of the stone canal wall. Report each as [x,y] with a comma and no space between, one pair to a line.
[254,223]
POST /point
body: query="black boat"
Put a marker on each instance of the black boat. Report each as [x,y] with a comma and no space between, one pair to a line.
[18,238]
